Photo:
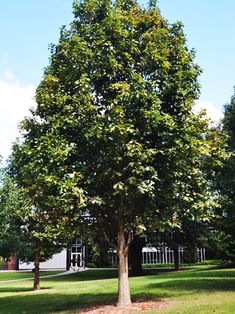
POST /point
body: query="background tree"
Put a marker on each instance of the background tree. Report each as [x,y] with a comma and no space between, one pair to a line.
[99,254]
[189,199]
[36,228]
[224,227]
[11,205]
[106,135]
[135,254]
[26,232]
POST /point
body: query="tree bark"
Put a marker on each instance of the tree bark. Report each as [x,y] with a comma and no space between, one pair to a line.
[176,258]
[36,285]
[124,298]
[136,255]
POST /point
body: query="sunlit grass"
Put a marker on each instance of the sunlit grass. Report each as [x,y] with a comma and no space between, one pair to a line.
[24,274]
[190,291]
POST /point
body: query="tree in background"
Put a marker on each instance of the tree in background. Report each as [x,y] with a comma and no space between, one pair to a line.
[192,155]
[99,254]
[223,230]
[113,125]
[25,231]
[135,254]
[12,206]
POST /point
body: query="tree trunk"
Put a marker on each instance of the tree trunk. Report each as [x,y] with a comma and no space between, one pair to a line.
[176,258]
[136,255]
[124,298]
[36,285]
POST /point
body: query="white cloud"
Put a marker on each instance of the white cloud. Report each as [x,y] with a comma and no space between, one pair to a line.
[8,75]
[15,101]
[212,111]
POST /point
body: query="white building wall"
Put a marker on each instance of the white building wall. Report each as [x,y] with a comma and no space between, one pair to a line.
[57,261]
[152,255]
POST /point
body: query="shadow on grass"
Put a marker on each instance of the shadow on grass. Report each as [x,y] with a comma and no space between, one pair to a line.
[86,275]
[150,288]
[52,303]
[91,274]
[194,284]
[216,272]
[15,289]
[4,276]
[164,271]
[59,303]
[223,266]
[22,289]
[196,273]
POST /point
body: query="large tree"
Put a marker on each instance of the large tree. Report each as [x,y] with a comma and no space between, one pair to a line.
[224,228]
[113,117]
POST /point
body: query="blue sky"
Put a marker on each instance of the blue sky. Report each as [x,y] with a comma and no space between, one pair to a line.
[29,26]
[210,28]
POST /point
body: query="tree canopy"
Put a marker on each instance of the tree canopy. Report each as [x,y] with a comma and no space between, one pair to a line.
[12,206]
[225,225]
[30,234]
[114,139]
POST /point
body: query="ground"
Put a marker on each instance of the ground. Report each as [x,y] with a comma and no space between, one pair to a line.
[200,290]
[136,307]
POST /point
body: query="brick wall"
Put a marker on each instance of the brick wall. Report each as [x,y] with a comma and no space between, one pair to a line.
[12,263]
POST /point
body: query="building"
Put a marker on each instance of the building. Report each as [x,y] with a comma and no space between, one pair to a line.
[75,257]
[72,258]
[163,254]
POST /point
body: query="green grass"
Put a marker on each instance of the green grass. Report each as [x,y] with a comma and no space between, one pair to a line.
[197,290]
[183,265]
[27,274]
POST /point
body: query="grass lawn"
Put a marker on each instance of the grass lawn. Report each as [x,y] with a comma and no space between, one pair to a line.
[27,274]
[197,290]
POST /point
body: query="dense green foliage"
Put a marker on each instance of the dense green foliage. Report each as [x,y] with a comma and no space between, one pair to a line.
[13,208]
[225,226]
[22,230]
[114,138]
